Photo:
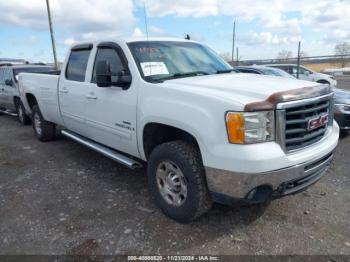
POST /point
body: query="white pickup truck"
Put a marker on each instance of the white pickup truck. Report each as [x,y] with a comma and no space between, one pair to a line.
[207,133]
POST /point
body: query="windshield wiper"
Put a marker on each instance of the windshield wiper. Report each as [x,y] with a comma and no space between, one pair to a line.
[179,75]
[194,73]
[225,71]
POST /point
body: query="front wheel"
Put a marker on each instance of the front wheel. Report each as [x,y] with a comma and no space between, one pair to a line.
[44,130]
[23,118]
[177,181]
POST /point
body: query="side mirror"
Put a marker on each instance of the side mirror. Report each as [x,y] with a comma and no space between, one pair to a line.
[124,79]
[103,74]
[9,82]
[307,73]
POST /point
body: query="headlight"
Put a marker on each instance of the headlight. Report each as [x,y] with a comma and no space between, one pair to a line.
[250,127]
[343,108]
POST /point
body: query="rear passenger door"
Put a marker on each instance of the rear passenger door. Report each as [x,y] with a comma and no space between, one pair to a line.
[73,88]
[2,87]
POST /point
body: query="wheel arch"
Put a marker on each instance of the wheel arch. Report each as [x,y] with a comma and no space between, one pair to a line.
[323,81]
[155,133]
[31,100]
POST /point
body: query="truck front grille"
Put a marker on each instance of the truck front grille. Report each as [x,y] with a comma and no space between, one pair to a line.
[297,133]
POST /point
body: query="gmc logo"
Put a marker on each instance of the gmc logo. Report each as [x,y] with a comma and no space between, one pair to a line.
[322,120]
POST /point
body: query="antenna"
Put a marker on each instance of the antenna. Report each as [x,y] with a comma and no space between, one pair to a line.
[145,16]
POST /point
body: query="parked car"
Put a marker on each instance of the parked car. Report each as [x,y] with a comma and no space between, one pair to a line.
[10,102]
[262,70]
[341,97]
[342,108]
[206,134]
[306,74]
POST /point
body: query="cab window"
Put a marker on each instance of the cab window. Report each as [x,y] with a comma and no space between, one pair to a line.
[112,57]
[77,64]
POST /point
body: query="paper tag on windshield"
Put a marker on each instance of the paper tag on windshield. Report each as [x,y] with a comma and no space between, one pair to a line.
[154,68]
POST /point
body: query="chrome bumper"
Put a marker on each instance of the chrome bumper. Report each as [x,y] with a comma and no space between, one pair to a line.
[280,182]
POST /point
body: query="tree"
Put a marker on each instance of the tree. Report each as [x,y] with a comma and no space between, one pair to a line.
[226,56]
[343,50]
[284,54]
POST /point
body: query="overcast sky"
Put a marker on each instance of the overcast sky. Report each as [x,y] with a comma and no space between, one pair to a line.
[264,27]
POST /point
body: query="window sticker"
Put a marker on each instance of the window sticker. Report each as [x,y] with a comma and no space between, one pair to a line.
[154,68]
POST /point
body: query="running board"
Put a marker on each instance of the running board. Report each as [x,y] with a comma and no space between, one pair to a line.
[7,112]
[110,153]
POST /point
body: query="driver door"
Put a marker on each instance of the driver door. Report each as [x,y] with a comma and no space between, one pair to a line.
[111,111]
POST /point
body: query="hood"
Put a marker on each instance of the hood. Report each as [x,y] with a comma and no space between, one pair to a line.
[323,75]
[238,87]
[341,96]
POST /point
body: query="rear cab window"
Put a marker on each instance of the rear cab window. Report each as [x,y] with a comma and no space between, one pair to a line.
[77,63]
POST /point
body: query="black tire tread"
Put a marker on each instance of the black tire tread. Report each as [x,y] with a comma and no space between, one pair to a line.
[191,154]
[48,132]
[26,118]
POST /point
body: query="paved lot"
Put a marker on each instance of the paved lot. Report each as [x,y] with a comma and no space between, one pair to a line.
[62,198]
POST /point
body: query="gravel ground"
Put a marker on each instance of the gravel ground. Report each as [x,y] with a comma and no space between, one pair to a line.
[62,198]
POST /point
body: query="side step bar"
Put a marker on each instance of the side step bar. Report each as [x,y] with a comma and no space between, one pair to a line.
[8,112]
[110,153]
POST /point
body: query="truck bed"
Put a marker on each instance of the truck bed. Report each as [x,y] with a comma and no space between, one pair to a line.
[44,86]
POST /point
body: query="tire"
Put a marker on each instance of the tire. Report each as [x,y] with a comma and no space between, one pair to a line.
[23,118]
[180,162]
[44,130]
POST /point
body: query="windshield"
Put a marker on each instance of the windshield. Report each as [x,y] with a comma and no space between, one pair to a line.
[277,72]
[159,60]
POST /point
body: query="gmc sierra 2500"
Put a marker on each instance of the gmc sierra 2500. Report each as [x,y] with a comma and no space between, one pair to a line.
[207,133]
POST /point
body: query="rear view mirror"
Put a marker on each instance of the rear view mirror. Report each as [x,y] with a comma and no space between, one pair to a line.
[9,82]
[103,74]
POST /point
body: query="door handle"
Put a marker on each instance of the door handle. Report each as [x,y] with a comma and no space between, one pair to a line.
[64,90]
[91,96]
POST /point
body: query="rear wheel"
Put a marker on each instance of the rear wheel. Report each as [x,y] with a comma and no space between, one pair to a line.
[44,130]
[22,116]
[177,181]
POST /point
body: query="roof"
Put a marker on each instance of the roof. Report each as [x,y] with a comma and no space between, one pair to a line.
[268,65]
[253,67]
[145,39]
[18,66]
[133,40]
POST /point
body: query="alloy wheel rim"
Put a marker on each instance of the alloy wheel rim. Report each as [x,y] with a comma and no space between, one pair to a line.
[37,124]
[20,113]
[171,183]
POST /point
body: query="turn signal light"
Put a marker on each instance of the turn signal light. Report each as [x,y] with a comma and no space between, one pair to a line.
[235,127]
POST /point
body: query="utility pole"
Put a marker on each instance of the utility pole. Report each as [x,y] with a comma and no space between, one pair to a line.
[298,61]
[233,40]
[237,62]
[51,33]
